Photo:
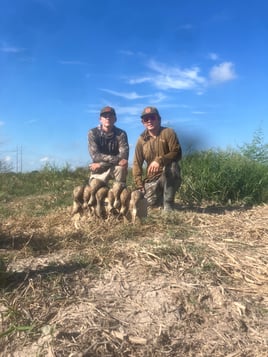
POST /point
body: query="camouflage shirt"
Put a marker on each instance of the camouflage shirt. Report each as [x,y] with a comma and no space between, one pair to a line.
[164,149]
[108,148]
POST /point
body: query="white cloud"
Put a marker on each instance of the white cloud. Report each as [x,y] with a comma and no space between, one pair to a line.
[128,110]
[44,159]
[31,121]
[7,159]
[198,112]
[213,56]
[223,72]
[158,97]
[126,52]
[171,77]
[154,98]
[71,62]
[168,77]
[2,123]
[140,80]
[129,95]
[9,49]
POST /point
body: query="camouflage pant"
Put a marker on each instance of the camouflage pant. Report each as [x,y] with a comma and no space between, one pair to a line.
[163,189]
[118,173]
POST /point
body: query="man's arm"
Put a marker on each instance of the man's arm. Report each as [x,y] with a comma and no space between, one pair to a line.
[123,146]
[174,149]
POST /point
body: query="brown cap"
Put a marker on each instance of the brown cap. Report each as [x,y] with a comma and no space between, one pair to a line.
[107,110]
[148,111]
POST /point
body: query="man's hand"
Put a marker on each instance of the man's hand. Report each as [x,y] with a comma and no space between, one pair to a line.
[123,163]
[153,168]
[95,166]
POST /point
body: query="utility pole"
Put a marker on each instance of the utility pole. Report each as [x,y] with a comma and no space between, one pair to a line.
[17,159]
[21,158]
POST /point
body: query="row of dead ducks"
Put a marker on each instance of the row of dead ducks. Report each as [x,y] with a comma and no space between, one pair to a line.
[97,199]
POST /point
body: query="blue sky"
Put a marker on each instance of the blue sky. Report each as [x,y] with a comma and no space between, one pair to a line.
[202,63]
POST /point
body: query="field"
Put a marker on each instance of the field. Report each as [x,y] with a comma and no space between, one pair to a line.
[191,283]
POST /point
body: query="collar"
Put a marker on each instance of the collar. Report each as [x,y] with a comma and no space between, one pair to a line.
[146,136]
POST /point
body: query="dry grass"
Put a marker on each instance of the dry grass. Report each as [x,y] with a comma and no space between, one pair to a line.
[193,283]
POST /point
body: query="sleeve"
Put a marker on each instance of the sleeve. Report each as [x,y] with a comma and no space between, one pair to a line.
[174,152]
[123,146]
[137,164]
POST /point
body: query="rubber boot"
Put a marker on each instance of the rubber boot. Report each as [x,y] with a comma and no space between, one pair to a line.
[172,182]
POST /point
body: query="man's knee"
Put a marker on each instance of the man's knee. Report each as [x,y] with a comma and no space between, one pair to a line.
[120,173]
[154,193]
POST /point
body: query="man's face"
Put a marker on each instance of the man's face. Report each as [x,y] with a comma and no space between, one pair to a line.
[107,121]
[151,121]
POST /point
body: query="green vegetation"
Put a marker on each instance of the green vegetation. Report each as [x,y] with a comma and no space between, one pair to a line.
[50,179]
[220,177]
[223,177]
[257,150]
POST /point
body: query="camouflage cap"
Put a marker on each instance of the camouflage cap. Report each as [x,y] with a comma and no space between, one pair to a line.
[148,111]
[107,110]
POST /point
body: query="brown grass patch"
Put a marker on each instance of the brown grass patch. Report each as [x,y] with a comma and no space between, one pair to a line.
[193,283]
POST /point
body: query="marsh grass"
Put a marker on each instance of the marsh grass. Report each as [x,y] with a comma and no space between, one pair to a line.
[223,177]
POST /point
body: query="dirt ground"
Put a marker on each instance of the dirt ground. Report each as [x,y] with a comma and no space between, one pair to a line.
[194,283]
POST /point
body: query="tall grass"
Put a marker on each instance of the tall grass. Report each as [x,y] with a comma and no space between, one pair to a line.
[220,177]
[51,187]
[48,180]
[223,177]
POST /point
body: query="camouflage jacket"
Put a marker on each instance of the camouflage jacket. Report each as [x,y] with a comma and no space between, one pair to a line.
[163,149]
[108,148]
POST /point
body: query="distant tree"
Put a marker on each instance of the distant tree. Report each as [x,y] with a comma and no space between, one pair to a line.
[256,150]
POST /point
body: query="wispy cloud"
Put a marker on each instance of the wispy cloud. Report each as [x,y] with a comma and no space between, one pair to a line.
[2,123]
[126,52]
[213,56]
[128,110]
[173,77]
[140,80]
[154,98]
[196,112]
[126,95]
[158,97]
[170,77]
[31,121]
[131,53]
[44,159]
[10,49]
[48,4]
[71,63]
[186,27]
[223,72]
[7,159]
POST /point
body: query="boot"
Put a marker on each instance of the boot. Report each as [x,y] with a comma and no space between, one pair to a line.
[169,198]
[172,182]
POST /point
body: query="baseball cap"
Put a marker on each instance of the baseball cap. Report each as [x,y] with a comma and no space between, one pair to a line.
[149,111]
[107,110]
